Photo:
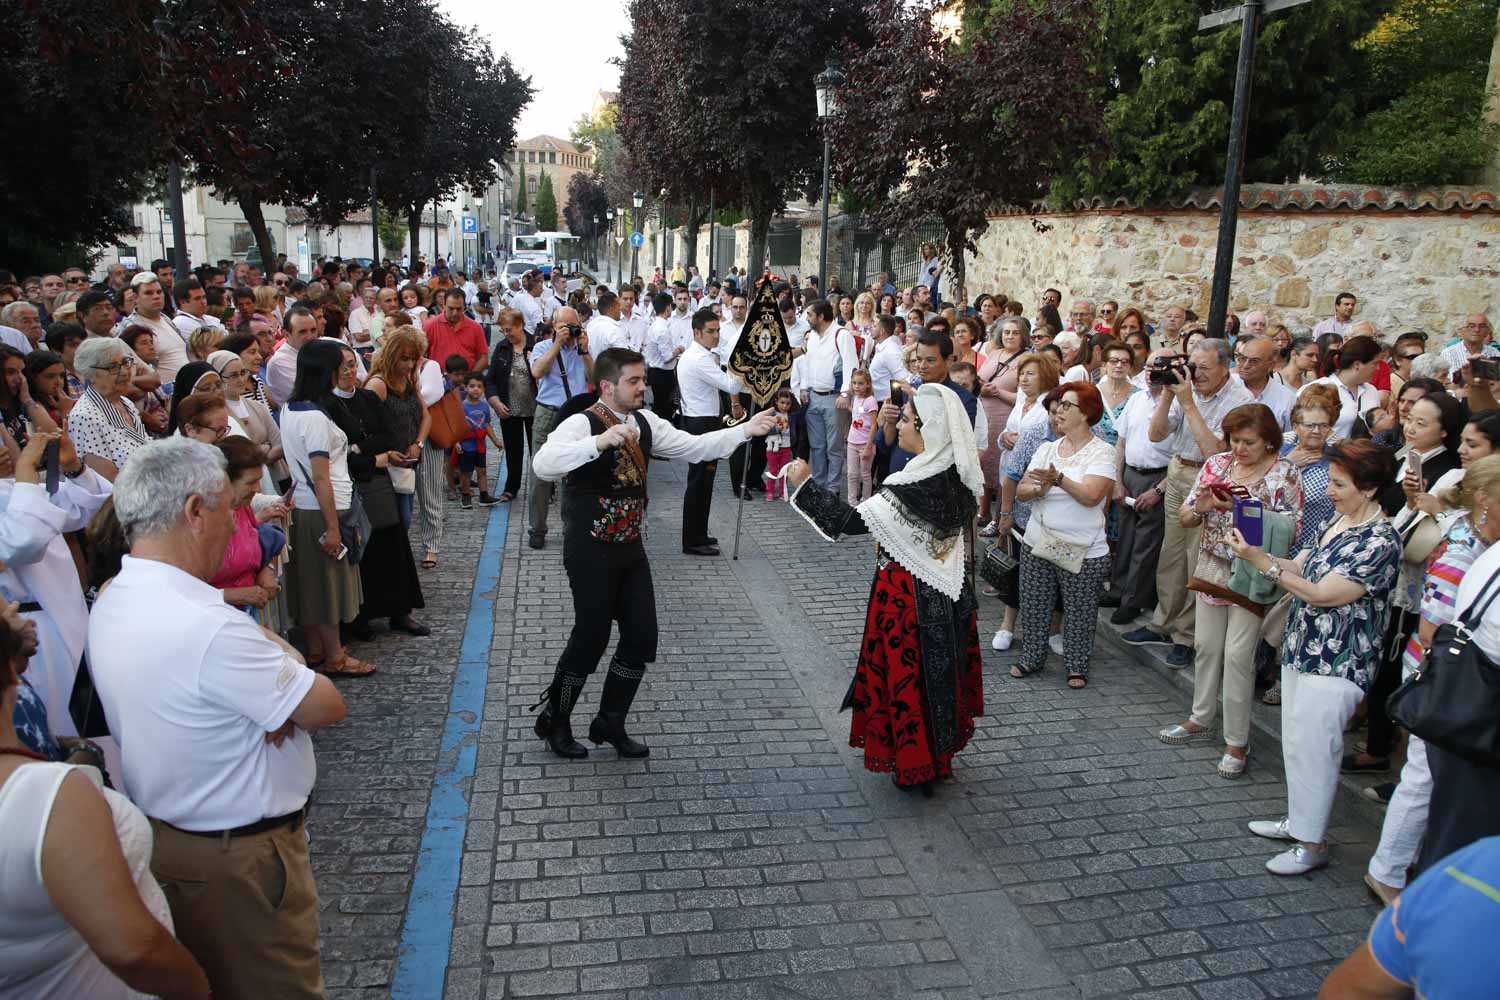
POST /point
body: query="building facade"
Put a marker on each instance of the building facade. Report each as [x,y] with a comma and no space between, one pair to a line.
[558,159]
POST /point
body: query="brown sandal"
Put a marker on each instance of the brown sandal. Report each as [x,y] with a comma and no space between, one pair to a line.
[348,666]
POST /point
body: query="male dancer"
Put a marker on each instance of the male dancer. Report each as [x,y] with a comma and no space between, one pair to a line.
[603,452]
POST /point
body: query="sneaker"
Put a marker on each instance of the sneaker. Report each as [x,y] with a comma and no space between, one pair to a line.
[467,503]
[1144,634]
[1055,643]
[1274,829]
[1002,641]
[1300,860]
[452,495]
[1380,794]
[989,530]
[1180,656]
[1123,615]
[485,500]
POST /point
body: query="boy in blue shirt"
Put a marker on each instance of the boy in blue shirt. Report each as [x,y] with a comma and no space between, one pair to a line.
[471,450]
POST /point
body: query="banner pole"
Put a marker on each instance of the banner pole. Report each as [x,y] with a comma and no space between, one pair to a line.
[739,508]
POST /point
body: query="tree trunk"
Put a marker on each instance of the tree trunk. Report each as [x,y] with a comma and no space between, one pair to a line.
[414,232]
[692,222]
[250,206]
[885,259]
[760,231]
[956,293]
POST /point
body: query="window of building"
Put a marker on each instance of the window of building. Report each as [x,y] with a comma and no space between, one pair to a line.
[552,157]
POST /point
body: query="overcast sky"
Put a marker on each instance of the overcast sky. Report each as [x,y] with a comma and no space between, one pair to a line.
[563,45]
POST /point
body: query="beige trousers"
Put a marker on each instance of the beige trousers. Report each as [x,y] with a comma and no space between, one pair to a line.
[1178,560]
[1224,642]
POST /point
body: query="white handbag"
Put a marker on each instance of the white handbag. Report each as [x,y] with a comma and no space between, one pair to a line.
[403,479]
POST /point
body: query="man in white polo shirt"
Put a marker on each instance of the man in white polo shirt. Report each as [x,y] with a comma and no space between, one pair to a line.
[213,717]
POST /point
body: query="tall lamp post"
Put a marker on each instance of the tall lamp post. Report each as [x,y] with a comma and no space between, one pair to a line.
[826,84]
[609,257]
[637,200]
[664,234]
[598,231]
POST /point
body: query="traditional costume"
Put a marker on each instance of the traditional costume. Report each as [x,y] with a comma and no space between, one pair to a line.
[604,512]
[918,686]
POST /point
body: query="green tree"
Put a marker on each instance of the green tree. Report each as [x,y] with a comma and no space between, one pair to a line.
[546,205]
[521,192]
[1167,91]
[392,235]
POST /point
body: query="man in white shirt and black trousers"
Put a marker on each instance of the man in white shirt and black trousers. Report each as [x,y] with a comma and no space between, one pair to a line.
[603,450]
[699,382]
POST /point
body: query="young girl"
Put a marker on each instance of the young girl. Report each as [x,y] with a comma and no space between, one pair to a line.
[966,375]
[779,443]
[861,458]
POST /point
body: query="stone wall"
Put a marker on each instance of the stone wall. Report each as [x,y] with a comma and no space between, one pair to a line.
[1416,267]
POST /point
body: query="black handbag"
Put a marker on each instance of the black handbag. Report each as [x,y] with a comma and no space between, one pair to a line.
[379,498]
[1000,569]
[1453,699]
[354,523]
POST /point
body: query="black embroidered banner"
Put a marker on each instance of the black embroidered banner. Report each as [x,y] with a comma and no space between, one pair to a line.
[762,358]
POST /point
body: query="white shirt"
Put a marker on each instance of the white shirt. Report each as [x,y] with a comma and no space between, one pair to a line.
[191,687]
[1482,571]
[633,331]
[729,336]
[1457,355]
[281,372]
[825,352]
[571,444]
[604,333]
[1332,325]
[796,334]
[308,433]
[359,327]
[1062,514]
[889,363]
[700,380]
[531,311]
[15,338]
[659,345]
[1351,404]
[681,327]
[187,324]
[1077,373]
[799,375]
[1180,438]
[171,347]
[1280,399]
[1133,425]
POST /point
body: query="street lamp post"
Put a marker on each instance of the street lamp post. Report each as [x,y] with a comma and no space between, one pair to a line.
[663,213]
[826,84]
[598,230]
[610,213]
[638,200]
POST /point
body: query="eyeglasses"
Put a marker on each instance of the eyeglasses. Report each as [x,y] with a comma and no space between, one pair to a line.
[118,366]
[1409,357]
[1320,426]
[1117,361]
[1063,406]
[77,279]
[220,433]
[233,375]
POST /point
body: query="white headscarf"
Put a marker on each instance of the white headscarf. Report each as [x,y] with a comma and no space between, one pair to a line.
[947,440]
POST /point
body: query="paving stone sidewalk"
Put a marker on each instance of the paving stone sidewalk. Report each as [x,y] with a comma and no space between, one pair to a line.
[751,856]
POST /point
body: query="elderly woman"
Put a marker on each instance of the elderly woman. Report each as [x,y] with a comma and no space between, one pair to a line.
[1341,591]
[1226,633]
[917,686]
[250,415]
[1075,352]
[1406,819]
[105,426]
[203,416]
[1068,481]
[246,578]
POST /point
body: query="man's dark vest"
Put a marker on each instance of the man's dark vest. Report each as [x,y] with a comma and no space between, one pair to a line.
[606,499]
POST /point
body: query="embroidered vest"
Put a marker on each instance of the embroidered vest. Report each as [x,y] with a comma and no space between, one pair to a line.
[606,498]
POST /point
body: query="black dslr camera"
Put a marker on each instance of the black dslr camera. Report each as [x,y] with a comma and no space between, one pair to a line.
[1164,371]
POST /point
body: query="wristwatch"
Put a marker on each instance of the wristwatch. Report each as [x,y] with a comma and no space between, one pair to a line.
[1273,571]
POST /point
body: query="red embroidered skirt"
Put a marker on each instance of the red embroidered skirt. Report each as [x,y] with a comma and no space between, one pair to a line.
[889,721]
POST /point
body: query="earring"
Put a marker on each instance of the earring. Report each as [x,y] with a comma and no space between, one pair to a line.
[1484,515]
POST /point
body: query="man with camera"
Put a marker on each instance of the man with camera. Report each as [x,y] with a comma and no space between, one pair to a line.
[562,368]
[1188,421]
[1143,467]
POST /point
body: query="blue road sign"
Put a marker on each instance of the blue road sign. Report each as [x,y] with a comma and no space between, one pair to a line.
[471,224]
[637,239]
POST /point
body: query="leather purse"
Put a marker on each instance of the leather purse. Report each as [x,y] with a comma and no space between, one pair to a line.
[1055,549]
[1453,700]
[449,425]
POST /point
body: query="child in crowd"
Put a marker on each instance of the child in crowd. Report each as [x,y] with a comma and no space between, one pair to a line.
[455,373]
[779,442]
[471,450]
[966,375]
[861,457]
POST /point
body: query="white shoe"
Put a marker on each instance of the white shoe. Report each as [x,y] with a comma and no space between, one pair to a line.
[989,530]
[1002,641]
[1280,829]
[1298,861]
[1231,766]
[1179,735]
[1055,643]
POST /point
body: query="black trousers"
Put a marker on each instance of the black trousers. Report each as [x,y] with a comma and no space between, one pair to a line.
[513,430]
[699,495]
[755,449]
[663,383]
[1382,736]
[1139,548]
[610,583]
[1465,806]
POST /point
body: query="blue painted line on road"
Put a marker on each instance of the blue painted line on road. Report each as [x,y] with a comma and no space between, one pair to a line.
[422,958]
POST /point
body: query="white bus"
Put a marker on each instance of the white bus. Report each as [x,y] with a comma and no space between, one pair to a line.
[560,250]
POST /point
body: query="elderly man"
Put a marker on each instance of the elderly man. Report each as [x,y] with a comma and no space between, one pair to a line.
[214,715]
[1142,465]
[150,301]
[562,368]
[281,371]
[1255,359]
[1474,341]
[1256,324]
[24,317]
[1189,420]
[1170,330]
[1081,318]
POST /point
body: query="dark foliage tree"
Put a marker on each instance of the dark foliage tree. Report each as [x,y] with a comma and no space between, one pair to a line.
[584,212]
[967,125]
[521,192]
[105,92]
[717,97]
[546,205]
[455,118]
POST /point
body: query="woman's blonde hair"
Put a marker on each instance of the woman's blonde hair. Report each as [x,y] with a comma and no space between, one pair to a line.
[265,300]
[1046,369]
[393,344]
[204,341]
[864,298]
[1481,477]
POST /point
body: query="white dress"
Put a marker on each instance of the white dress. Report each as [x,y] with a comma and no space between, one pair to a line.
[41,956]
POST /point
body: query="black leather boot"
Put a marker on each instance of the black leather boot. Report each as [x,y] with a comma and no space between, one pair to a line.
[620,685]
[555,725]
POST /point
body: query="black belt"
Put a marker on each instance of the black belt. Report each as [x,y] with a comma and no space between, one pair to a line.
[1144,472]
[823,392]
[28,607]
[249,829]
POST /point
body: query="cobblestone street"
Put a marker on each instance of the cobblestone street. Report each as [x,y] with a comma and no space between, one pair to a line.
[751,856]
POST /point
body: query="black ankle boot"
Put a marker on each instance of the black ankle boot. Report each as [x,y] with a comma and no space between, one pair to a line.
[611,729]
[554,724]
